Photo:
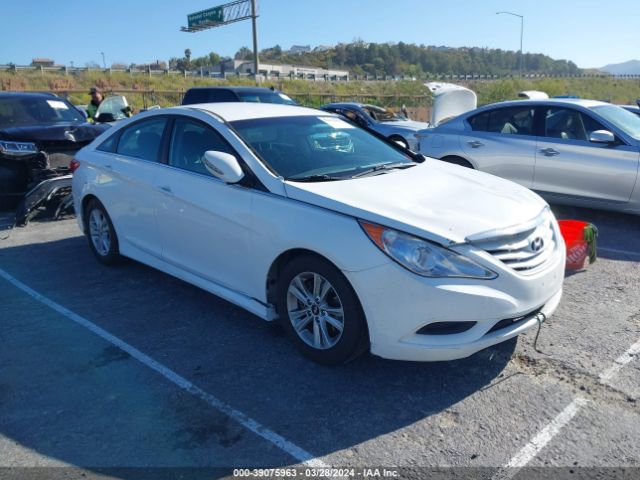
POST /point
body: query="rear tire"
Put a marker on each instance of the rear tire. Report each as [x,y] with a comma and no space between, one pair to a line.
[101,235]
[320,311]
[457,161]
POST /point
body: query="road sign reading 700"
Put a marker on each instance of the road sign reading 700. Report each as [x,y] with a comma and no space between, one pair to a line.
[211,15]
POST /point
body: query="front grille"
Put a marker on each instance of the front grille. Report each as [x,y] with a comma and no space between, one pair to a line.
[524,250]
[507,322]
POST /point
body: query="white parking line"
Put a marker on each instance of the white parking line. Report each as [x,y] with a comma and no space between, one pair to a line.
[279,441]
[620,252]
[620,362]
[542,438]
[537,443]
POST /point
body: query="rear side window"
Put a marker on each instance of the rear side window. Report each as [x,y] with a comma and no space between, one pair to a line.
[208,96]
[265,97]
[480,122]
[508,121]
[143,140]
[109,145]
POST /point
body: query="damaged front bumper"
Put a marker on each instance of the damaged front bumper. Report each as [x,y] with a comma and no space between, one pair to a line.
[53,193]
[35,183]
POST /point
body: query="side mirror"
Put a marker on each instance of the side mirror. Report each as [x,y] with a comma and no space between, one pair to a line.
[223,166]
[602,136]
[105,117]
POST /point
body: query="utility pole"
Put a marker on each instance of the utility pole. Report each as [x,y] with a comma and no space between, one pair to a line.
[254,21]
[521,38]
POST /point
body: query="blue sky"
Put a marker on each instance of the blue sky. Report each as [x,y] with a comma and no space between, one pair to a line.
[589,32]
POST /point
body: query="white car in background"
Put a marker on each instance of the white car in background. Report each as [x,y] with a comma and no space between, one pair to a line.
[352,242]
[450,100]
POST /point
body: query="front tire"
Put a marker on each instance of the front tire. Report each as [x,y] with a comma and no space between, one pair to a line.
[102,237]
[320,311]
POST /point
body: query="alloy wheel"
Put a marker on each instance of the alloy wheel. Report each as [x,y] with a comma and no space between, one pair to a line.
[315,310]
[100,232]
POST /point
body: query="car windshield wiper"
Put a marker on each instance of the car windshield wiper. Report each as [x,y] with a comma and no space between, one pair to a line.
[314,178]
[383,167]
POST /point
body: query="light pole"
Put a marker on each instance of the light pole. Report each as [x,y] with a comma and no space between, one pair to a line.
[104,64]
[521,36]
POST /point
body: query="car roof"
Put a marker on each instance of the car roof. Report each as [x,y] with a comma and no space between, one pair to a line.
[27,95]
[548,101]
[238,89]
[233,111]
[350,104]
[343,104]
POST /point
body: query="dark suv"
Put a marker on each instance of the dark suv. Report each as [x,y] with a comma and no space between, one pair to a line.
[235,94]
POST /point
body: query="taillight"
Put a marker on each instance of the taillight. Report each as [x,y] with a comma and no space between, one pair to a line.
[73,165]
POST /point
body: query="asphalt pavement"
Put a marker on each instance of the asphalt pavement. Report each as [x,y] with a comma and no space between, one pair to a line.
[122,372]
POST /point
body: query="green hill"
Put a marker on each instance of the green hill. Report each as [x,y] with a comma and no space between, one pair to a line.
[418,60]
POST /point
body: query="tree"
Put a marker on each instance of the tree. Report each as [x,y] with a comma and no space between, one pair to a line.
[244,54]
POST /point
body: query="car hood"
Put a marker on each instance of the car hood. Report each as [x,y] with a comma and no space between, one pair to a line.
[407,124]
[74,132]
[434,200]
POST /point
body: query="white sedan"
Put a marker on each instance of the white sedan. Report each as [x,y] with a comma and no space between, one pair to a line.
[350,241]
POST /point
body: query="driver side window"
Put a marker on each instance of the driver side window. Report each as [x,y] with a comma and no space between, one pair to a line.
[569,124]
[189,141]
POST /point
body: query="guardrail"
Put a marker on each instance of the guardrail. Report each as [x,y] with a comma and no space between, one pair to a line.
[309,76]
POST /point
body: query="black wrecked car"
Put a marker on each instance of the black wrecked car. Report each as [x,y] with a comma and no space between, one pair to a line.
[39,134]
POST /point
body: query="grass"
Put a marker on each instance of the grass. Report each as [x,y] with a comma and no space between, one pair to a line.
[164,90]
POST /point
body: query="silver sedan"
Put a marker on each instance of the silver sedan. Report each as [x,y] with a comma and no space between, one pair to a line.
[574,152]
[381,120]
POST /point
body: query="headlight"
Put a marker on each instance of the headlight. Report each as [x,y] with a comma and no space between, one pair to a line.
[422,257]
[17,149]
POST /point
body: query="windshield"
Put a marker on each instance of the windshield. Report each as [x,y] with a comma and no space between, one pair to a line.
[299,147]
[115,105]
[27,110]
[266,97]
[381,114]
[621,118]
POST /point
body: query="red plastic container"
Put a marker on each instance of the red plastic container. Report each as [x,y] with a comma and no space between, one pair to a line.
[577,247]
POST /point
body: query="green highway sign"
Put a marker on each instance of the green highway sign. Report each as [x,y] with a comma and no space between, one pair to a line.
[214,15]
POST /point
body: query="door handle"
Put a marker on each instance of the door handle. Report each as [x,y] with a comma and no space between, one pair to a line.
[549,152]
[475,144]
[166,189]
